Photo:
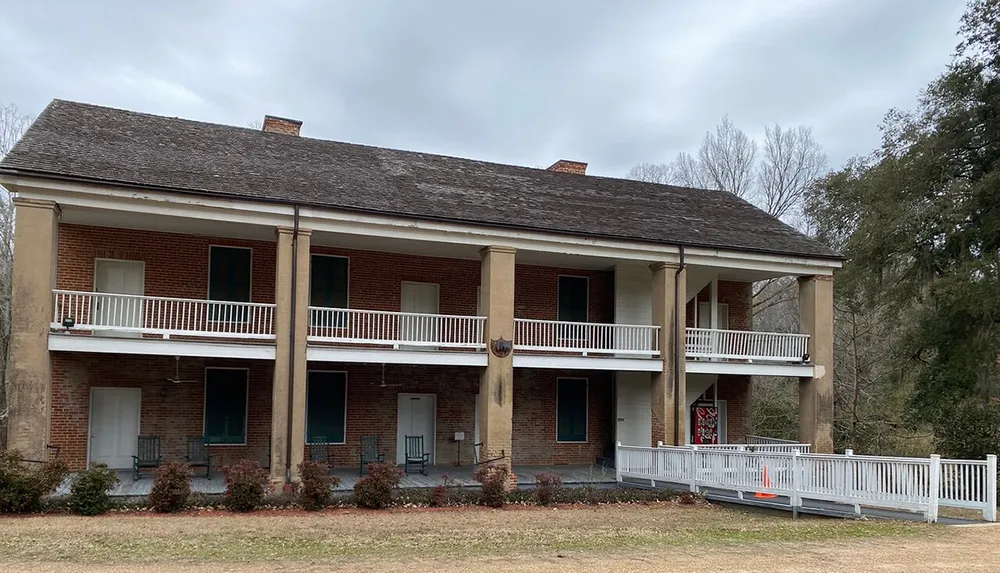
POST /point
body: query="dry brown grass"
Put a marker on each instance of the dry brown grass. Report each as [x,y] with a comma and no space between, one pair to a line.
[389,540]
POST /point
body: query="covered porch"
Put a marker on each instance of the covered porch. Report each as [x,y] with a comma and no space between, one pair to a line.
[572,476]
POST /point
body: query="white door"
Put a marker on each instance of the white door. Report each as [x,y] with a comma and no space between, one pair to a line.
[420,298]
[114,425]
[118,277]
[634,409]
[416,418]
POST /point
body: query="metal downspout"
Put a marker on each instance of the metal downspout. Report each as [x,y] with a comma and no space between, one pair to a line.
[679,405]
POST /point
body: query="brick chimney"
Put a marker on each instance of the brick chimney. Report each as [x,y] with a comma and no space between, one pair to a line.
[275,124]
[567,166]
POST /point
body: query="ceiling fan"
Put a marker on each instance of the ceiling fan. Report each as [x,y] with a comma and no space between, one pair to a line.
[382,384]
[177,372]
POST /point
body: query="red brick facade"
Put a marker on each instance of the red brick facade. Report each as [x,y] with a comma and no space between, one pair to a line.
[735,390]
[739,298]
[171,411]
[176,265]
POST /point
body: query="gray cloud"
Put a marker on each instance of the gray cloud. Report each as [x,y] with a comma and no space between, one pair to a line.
[526,82]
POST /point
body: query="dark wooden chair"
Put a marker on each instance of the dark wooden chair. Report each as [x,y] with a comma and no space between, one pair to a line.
[148,456]
[415,454]
[320,451]
[369,451]
[199,455]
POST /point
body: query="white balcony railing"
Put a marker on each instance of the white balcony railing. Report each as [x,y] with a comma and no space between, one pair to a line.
[396,329]
[163,316]
[746,345]
[585,337]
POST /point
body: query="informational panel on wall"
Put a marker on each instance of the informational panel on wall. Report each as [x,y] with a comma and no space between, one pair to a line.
[706,424]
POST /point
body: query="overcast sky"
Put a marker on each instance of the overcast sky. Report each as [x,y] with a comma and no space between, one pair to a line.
[513,81]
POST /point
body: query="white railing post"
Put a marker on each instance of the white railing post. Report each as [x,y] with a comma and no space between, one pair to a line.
[990,514]
[934,488]
[618,462]
[694,469]
[847,476]
[796,499]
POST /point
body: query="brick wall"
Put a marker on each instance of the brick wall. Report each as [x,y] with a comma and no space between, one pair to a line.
[534,439]
[171,411]
[735,294]
[735,390]
[373,410]
[536,292]
[176,265]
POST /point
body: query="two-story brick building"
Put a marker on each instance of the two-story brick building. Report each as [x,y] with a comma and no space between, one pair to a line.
[268,291]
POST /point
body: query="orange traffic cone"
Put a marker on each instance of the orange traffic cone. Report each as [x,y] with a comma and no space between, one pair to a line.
[767,483]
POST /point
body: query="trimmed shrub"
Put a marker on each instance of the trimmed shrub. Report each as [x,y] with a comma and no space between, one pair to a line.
[493,478]
[547,486]
[314,492]
[374,491]
[246,484]
[89,493]
[22,487]
[171,487]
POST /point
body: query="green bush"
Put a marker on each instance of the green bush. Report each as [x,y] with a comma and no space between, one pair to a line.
[547,486]
[22,486]
[171,487]
[374,491]
[314,491]
[246,484]
[89,493]
[494,478]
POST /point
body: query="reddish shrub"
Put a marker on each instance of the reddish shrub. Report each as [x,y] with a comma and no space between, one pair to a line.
[171,487]
[494,478]
[246,484]
[314,492]
[374,491]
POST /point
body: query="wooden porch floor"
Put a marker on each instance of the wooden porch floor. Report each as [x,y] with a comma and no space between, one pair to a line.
[572,475]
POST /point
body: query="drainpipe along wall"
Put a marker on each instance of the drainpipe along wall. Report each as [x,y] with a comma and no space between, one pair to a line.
[679,405]
[291,343]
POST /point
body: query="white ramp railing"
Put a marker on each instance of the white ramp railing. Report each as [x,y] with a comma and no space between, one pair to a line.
[911,484]
[786,448]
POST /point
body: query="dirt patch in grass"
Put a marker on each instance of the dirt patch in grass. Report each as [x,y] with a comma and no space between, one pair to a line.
[402,535]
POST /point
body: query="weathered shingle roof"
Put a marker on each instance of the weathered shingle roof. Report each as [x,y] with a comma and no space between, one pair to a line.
[116,146]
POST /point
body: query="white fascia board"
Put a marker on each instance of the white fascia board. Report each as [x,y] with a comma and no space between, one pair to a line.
[387,356]
[159,347]
[749,368]
[366,224]
[587,363]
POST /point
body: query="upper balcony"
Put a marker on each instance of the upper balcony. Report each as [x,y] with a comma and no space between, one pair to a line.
[120,315]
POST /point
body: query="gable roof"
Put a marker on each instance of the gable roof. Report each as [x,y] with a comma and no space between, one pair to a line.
[106,145]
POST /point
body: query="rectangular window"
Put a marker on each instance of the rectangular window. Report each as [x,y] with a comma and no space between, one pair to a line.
[229,280]
[573,299]
[571,409]
[326,407]
[226,405]
[705,315]
[328,281]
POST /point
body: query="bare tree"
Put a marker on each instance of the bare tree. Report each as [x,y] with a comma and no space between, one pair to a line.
[255,124]
[728,156]
[650,173]
[792,161]
[13,124]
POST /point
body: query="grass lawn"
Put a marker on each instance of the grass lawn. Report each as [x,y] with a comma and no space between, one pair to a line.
[396,537]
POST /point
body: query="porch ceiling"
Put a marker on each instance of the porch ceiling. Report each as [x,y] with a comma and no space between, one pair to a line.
[72,214]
